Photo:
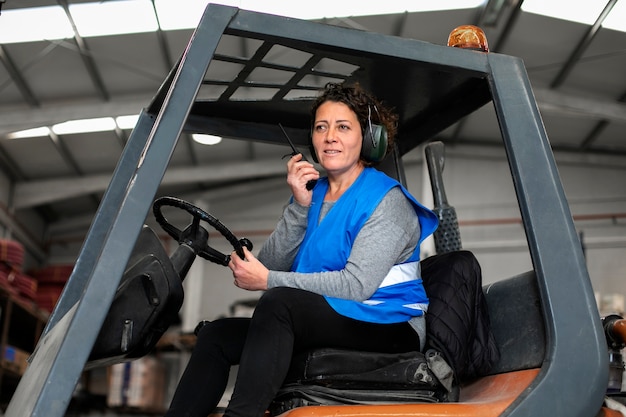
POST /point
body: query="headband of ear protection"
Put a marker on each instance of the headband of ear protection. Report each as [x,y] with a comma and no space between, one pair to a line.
[374,146]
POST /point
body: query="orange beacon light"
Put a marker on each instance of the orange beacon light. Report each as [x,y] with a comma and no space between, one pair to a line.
[468,37]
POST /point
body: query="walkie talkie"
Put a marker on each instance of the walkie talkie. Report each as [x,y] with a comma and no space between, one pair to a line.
[311,183]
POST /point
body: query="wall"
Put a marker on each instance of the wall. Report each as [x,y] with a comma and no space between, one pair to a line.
[488,213]
[479,186]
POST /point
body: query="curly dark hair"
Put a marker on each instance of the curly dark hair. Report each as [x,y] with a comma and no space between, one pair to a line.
[364,105]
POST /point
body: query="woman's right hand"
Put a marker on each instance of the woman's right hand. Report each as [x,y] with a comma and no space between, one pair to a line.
[249,273]
[299,172]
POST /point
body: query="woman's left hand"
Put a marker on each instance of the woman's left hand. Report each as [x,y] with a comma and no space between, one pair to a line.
[249,273]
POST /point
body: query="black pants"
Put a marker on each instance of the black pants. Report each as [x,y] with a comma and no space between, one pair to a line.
[286,320]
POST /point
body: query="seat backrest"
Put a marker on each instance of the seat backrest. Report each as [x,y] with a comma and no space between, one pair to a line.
[146,303]
[457,321]
[516,322]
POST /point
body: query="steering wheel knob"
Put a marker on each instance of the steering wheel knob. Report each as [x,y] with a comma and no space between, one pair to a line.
[246,242]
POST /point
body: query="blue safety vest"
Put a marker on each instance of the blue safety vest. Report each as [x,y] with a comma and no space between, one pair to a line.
[327,246]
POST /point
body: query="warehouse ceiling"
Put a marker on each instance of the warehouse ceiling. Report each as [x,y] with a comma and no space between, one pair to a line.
[576,71]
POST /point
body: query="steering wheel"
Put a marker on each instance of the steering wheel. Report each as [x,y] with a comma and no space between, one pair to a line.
[196,236]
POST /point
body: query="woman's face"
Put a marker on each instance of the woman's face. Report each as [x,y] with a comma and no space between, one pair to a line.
[337,137]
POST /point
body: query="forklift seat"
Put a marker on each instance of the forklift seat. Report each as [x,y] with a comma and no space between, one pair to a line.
[522,348]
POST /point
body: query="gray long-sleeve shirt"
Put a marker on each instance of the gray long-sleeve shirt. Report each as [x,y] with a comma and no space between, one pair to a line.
[387,238]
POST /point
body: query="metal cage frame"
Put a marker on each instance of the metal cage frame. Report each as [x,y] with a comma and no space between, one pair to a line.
[432,87]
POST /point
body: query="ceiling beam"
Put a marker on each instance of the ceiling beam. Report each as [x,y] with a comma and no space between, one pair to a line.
[163,45]
[584,42]
[10,167]
[551,101]
[29,194]
[227,193]
[598,128]
[508,26]
[85,54]
[18,79]
[12,120]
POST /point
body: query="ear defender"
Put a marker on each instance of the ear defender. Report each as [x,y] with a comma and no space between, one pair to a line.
[374,147]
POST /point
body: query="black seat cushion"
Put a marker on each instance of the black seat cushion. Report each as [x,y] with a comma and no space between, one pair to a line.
[336,376]
[339,368]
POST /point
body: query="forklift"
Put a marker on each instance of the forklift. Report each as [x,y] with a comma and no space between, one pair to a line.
[557,356]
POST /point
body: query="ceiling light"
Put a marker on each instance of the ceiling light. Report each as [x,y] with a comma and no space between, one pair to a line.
[206,139]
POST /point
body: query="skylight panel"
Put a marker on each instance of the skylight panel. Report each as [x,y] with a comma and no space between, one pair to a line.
[34,24]
[127,122]
[181,14]
[585,12]
[101,124]
[616,20]
[185,14]
[30,133]
[114,17]
[102,18]
[332,8]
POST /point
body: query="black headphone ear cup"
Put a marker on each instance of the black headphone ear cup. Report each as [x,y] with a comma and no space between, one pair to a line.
[374,146]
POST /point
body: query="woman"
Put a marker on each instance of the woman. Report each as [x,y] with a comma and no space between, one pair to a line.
[340,270]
